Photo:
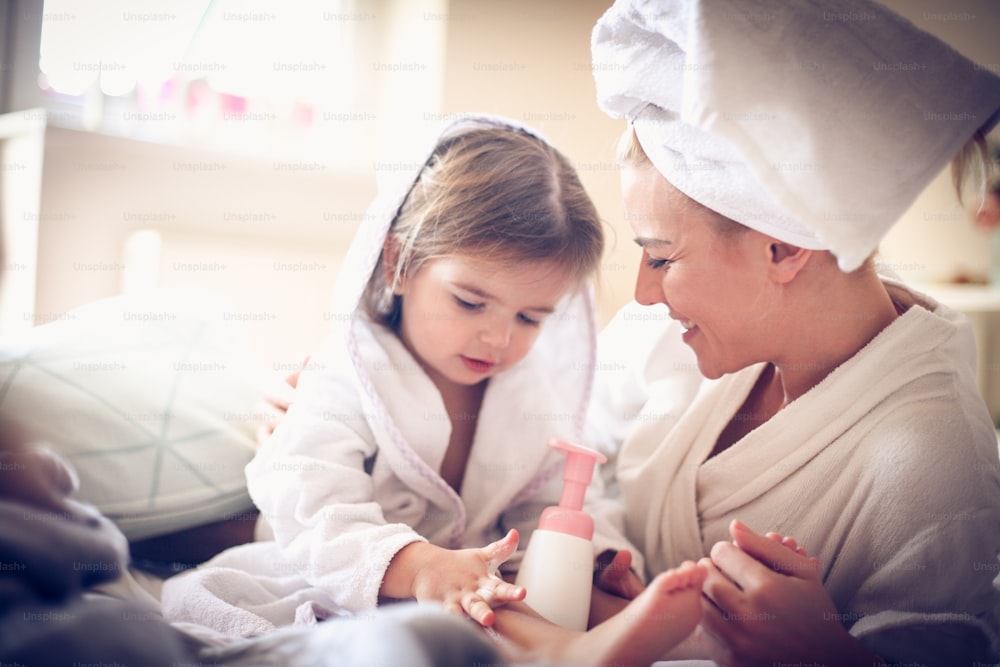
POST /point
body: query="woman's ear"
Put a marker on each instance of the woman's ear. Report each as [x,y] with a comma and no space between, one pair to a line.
[787,261]
[390,260]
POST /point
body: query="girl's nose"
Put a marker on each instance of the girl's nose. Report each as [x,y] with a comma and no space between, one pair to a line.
[496,333]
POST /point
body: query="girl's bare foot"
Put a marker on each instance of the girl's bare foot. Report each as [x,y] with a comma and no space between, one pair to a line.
[653,623]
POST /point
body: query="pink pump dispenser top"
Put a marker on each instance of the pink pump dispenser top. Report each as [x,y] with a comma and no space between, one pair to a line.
[558,566]
[568,517]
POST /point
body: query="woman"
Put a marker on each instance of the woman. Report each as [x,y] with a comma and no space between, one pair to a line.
[836,404]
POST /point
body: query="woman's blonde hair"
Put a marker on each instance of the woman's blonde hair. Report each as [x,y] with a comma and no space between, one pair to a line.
[495,191]
[972,168]
[630,151]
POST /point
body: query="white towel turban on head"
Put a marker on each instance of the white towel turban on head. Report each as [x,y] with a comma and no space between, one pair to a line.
[817,123]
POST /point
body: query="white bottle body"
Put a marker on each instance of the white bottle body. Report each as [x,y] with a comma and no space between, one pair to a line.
[558,572]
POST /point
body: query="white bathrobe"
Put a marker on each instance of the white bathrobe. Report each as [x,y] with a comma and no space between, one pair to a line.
[352,473]
[887,471]
[348,480]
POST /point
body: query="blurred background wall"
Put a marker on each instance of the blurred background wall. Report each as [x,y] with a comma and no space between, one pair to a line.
[245,163]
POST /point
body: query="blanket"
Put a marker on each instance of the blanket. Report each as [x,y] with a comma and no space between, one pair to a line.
[54,549]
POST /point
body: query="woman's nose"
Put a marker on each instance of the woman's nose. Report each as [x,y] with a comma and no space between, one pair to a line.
[648,285]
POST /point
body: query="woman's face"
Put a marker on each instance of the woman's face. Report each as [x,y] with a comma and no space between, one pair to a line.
[713,283]
[466,319]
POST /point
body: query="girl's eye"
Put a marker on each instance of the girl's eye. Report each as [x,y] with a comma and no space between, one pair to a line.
[654,263]
[467,305]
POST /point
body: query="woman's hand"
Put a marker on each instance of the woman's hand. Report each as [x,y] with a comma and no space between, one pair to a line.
[613,574]
[765,603]
[464,581]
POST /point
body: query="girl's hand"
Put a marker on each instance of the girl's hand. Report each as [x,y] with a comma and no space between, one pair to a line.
[764,603]
[465,581]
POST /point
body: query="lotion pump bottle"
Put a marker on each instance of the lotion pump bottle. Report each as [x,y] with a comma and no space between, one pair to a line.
[558,566]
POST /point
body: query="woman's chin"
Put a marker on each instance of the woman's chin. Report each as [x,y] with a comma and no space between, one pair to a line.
[712,370]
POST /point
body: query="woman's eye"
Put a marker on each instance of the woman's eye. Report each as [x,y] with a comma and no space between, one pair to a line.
[654,263]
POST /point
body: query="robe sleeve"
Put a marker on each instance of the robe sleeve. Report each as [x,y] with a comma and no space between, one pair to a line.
[313,487]
[921,562]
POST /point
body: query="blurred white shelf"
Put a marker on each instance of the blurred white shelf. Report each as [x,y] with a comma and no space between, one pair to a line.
[966,298]
[981,304]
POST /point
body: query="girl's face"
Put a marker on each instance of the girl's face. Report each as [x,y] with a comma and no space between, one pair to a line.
[466,319]
[713,284]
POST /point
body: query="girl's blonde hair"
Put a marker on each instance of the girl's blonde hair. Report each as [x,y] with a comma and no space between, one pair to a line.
[494,191]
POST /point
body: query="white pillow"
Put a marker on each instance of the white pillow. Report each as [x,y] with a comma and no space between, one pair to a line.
[150,398]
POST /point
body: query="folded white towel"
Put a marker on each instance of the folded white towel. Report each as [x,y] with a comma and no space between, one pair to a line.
[245,591]
[815,123]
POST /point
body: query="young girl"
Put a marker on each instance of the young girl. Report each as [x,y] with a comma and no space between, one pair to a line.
[464,340]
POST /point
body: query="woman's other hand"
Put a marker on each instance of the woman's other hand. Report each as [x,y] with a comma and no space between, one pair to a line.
[613,574]
[765,602]
[275,403]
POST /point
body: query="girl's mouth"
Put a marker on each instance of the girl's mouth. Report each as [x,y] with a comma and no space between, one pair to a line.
[478,365]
